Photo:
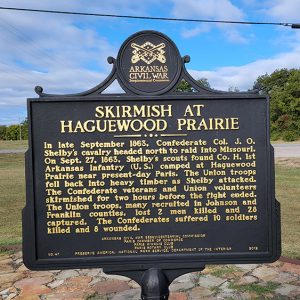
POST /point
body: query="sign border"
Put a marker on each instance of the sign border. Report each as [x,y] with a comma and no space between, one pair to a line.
[145,261]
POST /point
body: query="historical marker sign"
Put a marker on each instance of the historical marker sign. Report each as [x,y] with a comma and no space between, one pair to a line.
[152,177]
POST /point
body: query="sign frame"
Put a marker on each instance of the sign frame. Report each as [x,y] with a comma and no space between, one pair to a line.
[137,260]
[144,268]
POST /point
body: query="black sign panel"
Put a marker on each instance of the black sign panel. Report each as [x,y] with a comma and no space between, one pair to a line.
[151,179]
[137,180]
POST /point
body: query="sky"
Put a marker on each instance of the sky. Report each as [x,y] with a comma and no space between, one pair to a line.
[68,54]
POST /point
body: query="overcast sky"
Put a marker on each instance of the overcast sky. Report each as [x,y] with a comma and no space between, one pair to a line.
[67,54]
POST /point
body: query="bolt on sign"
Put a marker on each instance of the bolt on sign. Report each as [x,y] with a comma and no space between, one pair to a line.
[151,178]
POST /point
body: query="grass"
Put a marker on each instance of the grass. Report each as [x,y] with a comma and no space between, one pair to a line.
[12,200]
[7,145]
[215,289]
[288,194]
[256,288]
[96,296]
[223,271]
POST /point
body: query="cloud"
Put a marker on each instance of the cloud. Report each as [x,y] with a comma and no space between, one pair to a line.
[56,54]
[212,10]
[233,35]
[283,10]
[64,54]
[188,33]
[249,2]
[244,76]
[216,9]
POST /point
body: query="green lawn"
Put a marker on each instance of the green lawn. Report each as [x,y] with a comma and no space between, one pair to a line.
[12,197]
[7,145]
[12,200]
[288,193]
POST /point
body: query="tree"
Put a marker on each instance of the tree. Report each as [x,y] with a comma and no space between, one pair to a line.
[2,132]
[204,82]
[184,86]
[266,83]
[13,132]
[24,128]
[283,88]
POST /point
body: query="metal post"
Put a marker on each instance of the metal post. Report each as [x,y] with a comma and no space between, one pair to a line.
[155,285]
[155,281]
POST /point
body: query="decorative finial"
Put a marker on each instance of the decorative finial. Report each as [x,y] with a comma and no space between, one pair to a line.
[111,60]
[39,90]
[186,59]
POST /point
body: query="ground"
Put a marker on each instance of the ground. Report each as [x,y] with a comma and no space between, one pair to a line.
[279,280]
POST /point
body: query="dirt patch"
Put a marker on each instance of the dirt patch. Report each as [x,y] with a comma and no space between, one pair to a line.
[10,248]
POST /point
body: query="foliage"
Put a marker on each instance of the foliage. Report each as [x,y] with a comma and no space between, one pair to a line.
[14,132]
[25,129]
[184,86]
[2,132]
[283,88]
[204,82]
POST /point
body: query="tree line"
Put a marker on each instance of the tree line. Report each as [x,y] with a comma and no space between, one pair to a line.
[282,87]
[14,132]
